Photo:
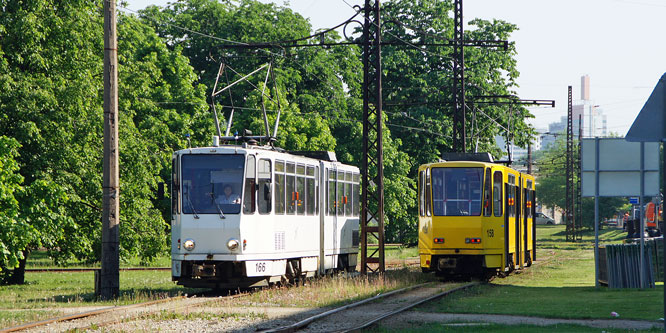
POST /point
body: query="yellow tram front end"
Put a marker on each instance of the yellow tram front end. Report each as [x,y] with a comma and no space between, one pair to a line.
[471,220]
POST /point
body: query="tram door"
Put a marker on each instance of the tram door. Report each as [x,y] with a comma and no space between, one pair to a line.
[332,206]
[508,261]
[512,223]
[519,230]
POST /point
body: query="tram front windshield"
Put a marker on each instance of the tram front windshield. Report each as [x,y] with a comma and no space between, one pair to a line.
[212,183]
[457,191]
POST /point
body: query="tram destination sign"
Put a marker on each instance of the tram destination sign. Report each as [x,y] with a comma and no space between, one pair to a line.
[617,164]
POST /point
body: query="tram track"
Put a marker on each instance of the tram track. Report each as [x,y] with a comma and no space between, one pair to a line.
[365,313]
[115,314]
[80,270]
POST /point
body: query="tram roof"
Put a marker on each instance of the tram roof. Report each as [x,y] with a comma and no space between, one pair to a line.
[227,149]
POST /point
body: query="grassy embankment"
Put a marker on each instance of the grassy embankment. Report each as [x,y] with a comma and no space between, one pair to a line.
[559,285]
[47,295]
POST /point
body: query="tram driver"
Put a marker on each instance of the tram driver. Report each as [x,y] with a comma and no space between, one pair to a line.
[228,197]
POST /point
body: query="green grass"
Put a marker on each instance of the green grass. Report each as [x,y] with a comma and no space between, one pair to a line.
[45,293]
[400,252]
[554,237]
[559,285]
[495,328]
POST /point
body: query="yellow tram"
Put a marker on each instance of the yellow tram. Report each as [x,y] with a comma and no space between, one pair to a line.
[476,217]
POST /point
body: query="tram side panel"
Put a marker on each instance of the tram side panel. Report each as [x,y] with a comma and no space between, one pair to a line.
[341,222]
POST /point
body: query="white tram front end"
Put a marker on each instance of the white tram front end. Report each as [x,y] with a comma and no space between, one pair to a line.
[247,216]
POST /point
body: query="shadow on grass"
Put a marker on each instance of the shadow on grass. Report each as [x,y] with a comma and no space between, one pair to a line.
[131,295]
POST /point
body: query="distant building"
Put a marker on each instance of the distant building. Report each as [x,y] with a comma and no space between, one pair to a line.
[590,116]
[585,114]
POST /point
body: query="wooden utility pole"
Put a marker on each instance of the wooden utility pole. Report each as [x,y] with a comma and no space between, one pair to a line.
[109,277]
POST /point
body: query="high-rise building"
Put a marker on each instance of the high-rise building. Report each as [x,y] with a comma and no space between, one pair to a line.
[590,116]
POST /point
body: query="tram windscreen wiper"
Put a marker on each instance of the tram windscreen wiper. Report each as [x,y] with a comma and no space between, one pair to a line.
[219,209]
[196,216]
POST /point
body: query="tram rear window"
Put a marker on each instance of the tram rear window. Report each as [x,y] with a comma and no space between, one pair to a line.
[457,191]
[212,183]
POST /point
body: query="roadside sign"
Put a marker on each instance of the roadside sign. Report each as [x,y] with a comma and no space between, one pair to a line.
[619,167]
[633,200]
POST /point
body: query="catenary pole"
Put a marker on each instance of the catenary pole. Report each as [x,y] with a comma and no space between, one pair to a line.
[596,212]
[109,278]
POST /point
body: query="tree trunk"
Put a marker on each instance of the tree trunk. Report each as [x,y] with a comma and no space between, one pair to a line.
[18,275]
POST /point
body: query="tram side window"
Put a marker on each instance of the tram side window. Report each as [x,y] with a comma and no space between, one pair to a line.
[355,195]
[348,194]
[310,191]
[487,187]
[341,194]
[331,192]
[250,197]
[175,187]
[497,193]
[421,190]
[428,193]
[279,187]
[264,175]
[291,188]
[529,194]
[511,196]
[300,190]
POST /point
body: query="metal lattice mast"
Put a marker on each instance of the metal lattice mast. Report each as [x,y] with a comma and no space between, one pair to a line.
[569,209]
[372,218]
[579,193]
[458,79]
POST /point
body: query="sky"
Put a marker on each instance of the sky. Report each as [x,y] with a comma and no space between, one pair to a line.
[618,43]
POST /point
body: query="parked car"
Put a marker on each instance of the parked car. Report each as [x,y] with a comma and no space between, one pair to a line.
[542,218]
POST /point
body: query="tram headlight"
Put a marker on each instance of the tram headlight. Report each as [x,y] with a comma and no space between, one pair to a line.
[232,244]
[189,244]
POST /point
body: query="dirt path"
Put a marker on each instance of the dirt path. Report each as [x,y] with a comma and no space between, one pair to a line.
[410,319]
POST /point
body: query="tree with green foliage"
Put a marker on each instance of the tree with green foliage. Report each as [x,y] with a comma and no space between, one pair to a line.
[51,102]
[15,233]
[418,82]
[319,89]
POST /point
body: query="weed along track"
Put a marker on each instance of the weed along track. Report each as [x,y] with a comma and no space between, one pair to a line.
[367,312]
[114,314]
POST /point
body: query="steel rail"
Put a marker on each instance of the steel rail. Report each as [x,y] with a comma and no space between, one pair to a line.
[43,270]
[309,320]
[407,307]
[87,314]
[139,315]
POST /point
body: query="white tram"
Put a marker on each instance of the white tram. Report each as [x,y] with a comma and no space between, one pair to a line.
[248,215]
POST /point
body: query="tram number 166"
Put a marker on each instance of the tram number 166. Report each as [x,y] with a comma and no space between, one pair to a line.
[491,232]
[260,267]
